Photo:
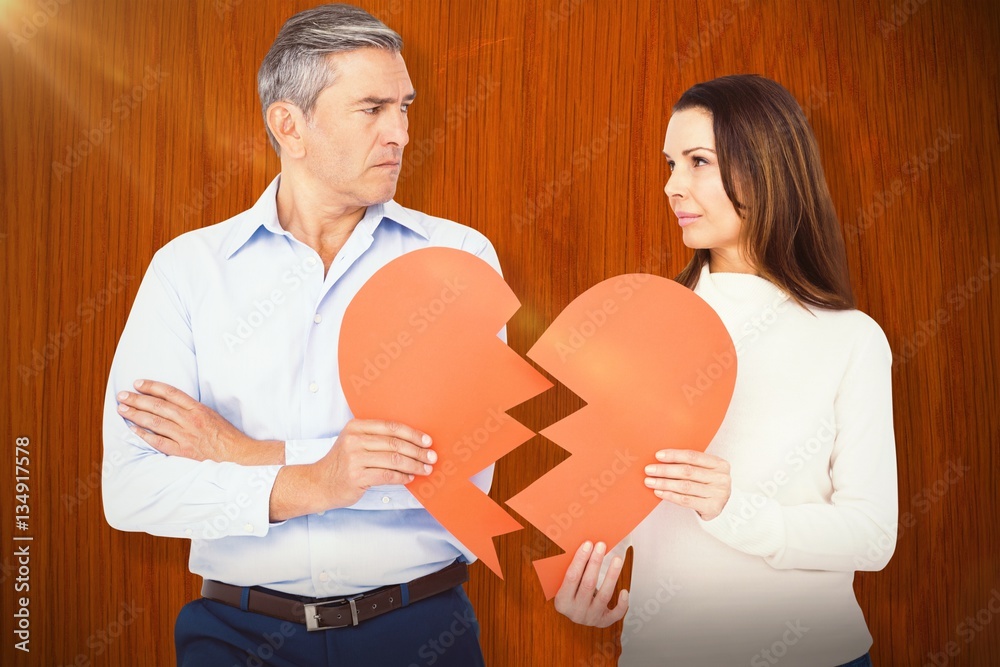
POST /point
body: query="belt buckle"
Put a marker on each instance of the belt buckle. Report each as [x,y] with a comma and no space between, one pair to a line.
[312,618]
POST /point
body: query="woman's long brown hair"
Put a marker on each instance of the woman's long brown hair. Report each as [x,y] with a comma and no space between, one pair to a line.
[772,173]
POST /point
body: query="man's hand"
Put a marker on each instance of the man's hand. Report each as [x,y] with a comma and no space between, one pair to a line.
[691,479]
[580,600]
[177,425]
[367,453]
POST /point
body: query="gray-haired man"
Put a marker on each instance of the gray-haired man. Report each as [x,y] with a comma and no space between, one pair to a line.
[244,442]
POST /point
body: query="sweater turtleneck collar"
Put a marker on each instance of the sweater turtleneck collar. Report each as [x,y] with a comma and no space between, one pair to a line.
[740,299]
[743,288]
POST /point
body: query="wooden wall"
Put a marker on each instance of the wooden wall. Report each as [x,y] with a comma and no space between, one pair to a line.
[127,123]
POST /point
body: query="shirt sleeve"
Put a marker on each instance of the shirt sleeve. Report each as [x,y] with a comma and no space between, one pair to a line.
[143,489]
[856,530]
[308,450]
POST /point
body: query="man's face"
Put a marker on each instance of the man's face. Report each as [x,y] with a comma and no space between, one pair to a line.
[356,133]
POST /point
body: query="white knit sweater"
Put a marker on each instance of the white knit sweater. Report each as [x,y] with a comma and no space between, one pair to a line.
[809,437]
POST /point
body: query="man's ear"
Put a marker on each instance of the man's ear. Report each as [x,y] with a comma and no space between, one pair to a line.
[286,122]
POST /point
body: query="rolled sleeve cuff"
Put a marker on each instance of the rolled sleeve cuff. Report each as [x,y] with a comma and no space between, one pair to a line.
[246,512]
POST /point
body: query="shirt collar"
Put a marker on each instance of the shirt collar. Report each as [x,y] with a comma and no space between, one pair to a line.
[264,213]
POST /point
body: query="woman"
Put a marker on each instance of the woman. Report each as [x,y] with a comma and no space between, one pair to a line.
[751,557]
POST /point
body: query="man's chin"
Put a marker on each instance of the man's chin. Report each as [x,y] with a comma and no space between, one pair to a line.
[383,194]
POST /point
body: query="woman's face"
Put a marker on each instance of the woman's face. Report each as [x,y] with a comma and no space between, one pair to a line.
[704,211]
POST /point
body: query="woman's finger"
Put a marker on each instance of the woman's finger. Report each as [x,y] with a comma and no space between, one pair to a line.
[684,487]
[684,471]
[692,457]
[571,582]
[588,583]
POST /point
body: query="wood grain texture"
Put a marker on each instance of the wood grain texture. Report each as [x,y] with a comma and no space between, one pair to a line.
[540,124]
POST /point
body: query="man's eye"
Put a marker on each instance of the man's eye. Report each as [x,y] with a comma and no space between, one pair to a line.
[405,108]
[372,111]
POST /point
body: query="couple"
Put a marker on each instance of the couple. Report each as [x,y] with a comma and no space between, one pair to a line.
[239,437]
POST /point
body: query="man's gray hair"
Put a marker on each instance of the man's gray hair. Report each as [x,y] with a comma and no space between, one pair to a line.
[296,69]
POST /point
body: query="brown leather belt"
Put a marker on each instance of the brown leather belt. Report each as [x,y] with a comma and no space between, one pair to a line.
[340,612]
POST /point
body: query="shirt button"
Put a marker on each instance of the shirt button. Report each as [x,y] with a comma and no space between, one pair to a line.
[385,499]
[314,387]
[323,576]
[188,532]
[248,527]
[318,318]
[321,512]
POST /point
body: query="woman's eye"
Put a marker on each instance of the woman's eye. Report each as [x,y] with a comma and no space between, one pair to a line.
[696,159]
[670,164]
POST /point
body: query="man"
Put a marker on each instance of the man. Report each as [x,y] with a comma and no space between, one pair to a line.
[311,551]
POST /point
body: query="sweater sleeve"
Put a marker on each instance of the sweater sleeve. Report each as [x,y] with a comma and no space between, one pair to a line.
[856,530]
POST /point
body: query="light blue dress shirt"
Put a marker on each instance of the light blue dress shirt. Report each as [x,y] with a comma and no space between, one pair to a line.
[239,316]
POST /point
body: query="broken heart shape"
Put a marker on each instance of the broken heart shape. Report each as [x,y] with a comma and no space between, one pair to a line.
[419,346]
[657,369]
[652,360]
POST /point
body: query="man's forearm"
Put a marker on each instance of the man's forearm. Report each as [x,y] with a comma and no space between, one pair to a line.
[294,493]
[261,453]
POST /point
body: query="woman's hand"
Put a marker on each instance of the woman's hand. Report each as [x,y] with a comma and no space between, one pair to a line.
[580,600]
[691,479]
[177,425]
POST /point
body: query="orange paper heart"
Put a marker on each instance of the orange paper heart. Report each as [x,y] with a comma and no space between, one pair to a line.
[657,368]
[419,345]
[653,361]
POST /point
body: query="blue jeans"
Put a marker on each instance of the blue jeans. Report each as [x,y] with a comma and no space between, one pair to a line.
[863,661]
[441,630]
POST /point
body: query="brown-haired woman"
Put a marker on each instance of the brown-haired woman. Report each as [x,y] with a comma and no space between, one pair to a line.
[751,557]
